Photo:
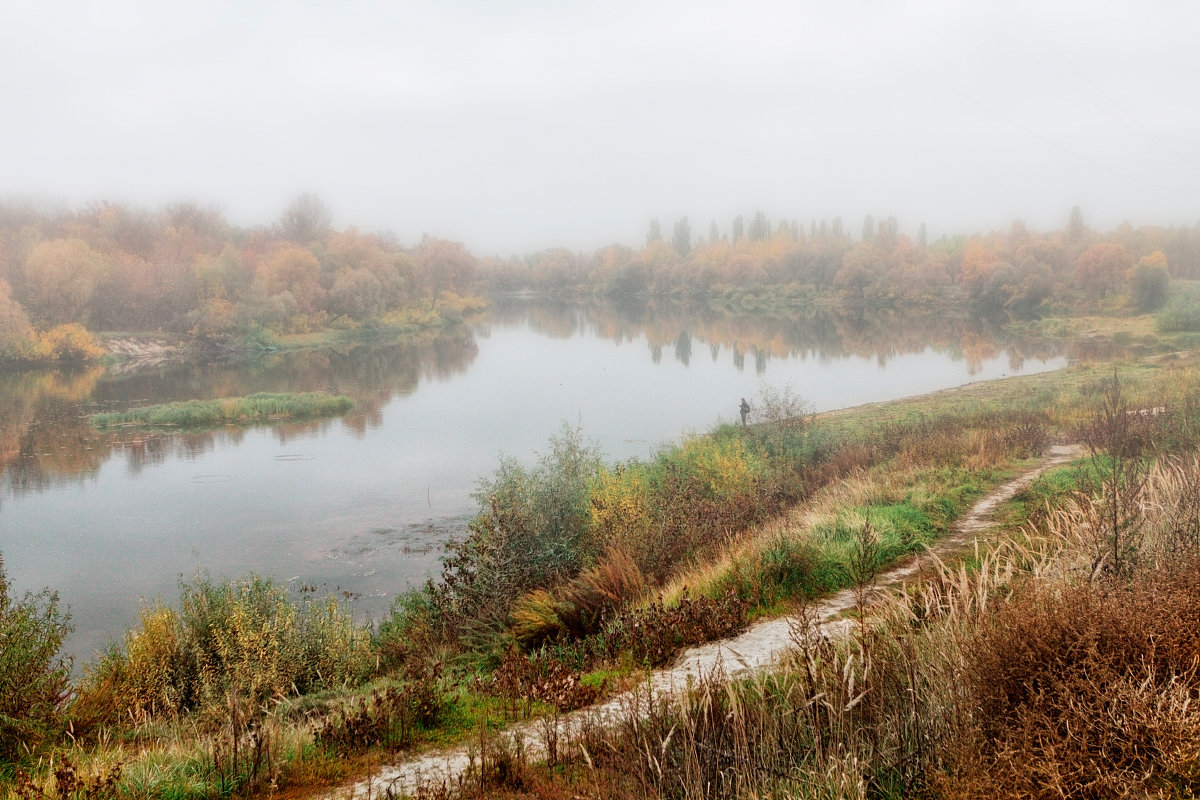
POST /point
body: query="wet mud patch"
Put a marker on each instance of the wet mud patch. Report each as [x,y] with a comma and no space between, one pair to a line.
[414,538]
[370,569]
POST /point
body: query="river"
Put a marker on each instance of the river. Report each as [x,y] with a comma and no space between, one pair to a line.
[364,504]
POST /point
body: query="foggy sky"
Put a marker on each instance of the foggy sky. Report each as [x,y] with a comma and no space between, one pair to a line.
[514,126]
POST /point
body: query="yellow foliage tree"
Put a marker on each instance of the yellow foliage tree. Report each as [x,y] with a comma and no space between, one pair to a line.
[295,271]
[17,340]
[69,343]
[60,277]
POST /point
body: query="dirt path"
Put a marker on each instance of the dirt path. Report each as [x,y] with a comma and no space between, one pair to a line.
[758,648]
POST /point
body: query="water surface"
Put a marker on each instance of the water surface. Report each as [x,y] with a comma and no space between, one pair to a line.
[364,504]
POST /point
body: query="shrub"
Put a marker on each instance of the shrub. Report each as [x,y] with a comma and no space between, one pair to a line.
[783,418]
[653,635]
[580,606]
[530,534]
[1150,282]
[69,343]
[390,717]
[34,678]
[721,466]
[621,508]
[247,637]
[537,677]
[1088,689]
[1180,314]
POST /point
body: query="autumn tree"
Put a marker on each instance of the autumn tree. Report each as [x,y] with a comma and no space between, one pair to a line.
[16,333]
[221,277]
[69,343]
[617,273]
[868,230]
[979,260]
[1049,252]
[379,279]
[1101,267]
[861,267]
[443,266]
[357,294]
[1075,226]
[760,227]
[887,235]
[1149,281]
[683,237]
[294,271]
[655,233]
[305,220]
[115,227]
[207,224]
[60,277]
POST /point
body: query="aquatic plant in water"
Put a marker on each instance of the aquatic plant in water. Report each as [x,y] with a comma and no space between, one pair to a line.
[260,407]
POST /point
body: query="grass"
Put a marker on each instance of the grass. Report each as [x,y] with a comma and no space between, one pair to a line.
[809,551]
[252,409]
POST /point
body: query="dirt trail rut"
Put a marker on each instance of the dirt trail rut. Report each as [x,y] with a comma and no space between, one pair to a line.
[758,648]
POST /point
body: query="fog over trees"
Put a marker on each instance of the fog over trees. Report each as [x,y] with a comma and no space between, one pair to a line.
[184,268]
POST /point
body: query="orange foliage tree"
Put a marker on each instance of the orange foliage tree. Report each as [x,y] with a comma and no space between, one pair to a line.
[443,266]
[295,271]
[1101,268]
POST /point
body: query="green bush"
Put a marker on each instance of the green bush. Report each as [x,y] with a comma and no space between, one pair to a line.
[530,533]
[1180,314]
[34,678]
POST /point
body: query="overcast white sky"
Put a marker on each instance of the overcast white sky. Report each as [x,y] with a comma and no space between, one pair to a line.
[518,125]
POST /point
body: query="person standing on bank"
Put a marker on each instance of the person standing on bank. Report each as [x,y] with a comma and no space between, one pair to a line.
[745,409]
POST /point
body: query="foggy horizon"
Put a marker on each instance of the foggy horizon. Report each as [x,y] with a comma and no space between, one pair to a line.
[529,126]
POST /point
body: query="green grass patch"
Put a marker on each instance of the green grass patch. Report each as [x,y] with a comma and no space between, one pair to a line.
[252,409]
[1029,504]
[789,564]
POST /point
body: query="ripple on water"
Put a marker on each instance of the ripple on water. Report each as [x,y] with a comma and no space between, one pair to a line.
[210,478]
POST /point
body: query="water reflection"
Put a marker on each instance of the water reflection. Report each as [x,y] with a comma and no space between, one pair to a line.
[46,441]
[825,334]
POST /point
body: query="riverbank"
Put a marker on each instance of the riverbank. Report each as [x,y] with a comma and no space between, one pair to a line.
[762,647]
[907,470]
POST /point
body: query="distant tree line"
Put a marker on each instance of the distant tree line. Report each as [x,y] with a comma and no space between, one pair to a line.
[184,268]
[1018,273]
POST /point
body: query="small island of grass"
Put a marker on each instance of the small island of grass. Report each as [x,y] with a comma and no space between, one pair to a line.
[254,408]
